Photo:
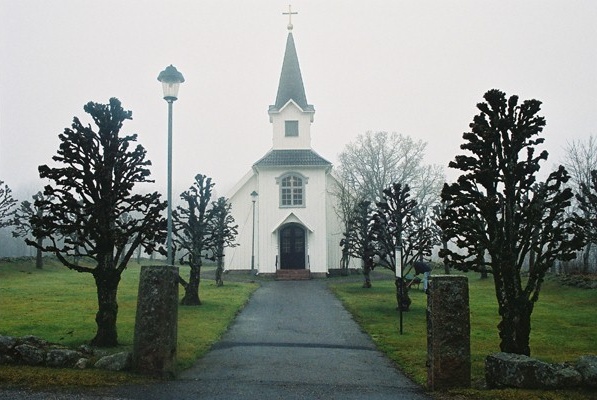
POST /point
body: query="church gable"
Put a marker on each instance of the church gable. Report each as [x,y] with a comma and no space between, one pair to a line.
[291,218]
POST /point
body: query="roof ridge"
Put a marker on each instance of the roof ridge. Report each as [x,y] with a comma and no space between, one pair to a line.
[292,157]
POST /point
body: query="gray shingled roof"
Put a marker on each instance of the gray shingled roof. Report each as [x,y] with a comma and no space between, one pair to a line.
[291,81]
[288,158]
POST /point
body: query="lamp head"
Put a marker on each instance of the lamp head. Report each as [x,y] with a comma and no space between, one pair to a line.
[171,80]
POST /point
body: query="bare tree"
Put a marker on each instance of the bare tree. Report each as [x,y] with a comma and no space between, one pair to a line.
[580,159]
[7,203]
[587,200]
[358,239]
[92,189]
[191,233]
[222,232]
[497,207]
[399,222]
[437,213]
[22,223]
[376,160]
[345,208]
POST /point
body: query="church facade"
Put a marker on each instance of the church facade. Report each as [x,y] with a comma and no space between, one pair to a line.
[284,206]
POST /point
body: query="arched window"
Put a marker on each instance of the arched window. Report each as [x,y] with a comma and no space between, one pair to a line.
[292,190]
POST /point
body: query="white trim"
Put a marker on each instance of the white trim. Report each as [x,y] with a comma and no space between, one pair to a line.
[241,183]
[291,218]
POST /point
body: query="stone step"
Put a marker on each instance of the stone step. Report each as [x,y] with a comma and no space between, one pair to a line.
[293,274]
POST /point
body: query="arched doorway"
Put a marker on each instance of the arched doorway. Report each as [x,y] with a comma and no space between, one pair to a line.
[292,247]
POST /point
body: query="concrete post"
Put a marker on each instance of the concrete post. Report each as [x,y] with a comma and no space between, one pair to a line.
[156,323]
[448,333]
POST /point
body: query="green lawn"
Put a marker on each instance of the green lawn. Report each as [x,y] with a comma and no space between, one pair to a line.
[563,327]
[59,305]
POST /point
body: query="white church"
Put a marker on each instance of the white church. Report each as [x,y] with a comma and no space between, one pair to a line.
[284,206]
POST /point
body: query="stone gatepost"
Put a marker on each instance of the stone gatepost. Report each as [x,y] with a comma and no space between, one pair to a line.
[448,333]
[156,322]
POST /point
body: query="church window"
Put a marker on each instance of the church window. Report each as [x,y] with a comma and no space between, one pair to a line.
[291,128]
[292,191]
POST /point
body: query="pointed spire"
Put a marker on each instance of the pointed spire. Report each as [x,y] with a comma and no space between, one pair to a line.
[291,81]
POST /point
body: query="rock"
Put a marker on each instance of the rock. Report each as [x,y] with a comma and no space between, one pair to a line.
[587,367]
[62,358]
[505,370]
[7,343]
[86,349]
[82,363]
[115,362]
[29,355]
[562,376]
[34,341]
[6,359]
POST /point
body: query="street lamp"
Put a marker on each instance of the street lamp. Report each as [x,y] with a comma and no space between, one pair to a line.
[253,199]
[171,80]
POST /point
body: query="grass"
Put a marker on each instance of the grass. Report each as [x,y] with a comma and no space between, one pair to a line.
[59,305]
[564,323]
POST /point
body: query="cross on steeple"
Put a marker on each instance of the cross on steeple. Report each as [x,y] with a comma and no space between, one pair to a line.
[290,14]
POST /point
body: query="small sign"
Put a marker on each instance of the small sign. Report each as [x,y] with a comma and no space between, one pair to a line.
[398,259]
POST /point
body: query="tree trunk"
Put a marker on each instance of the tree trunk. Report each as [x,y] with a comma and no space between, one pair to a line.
[219,271]
[106,282]
[515,328]
[344,261]
[515,310]
[402,298]
[191,292]
[585,258]
[446,264]
[367,267]
[39,262]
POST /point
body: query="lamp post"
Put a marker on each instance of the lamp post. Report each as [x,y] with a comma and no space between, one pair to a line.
[253,199]
[171,80]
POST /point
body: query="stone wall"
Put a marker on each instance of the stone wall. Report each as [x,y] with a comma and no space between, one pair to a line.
[34,351]
[506,370]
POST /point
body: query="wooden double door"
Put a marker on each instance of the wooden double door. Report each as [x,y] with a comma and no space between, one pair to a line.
[292,247]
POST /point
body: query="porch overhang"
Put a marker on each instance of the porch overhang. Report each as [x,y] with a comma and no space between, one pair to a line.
[290,219]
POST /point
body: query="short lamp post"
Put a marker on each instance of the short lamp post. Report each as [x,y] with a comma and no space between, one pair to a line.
[171,80]
[253,199]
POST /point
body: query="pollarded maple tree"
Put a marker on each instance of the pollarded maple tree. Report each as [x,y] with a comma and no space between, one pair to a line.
[498,206]
[87,208]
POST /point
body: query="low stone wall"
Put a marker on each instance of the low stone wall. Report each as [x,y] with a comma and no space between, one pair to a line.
[506,370]
[580,281]
[32,350]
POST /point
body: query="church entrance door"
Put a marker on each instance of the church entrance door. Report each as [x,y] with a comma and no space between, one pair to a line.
[292,247]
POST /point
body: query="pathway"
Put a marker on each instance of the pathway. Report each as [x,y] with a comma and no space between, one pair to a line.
[294,340]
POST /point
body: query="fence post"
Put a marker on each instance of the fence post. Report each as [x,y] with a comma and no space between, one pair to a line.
[156,322]
[448,333]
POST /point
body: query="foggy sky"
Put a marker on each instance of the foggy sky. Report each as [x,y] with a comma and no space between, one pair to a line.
[413,67]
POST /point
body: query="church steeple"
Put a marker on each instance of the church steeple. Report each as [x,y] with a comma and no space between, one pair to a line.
[291,115]
[291,85]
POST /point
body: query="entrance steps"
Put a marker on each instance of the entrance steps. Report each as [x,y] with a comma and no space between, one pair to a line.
[293,274]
